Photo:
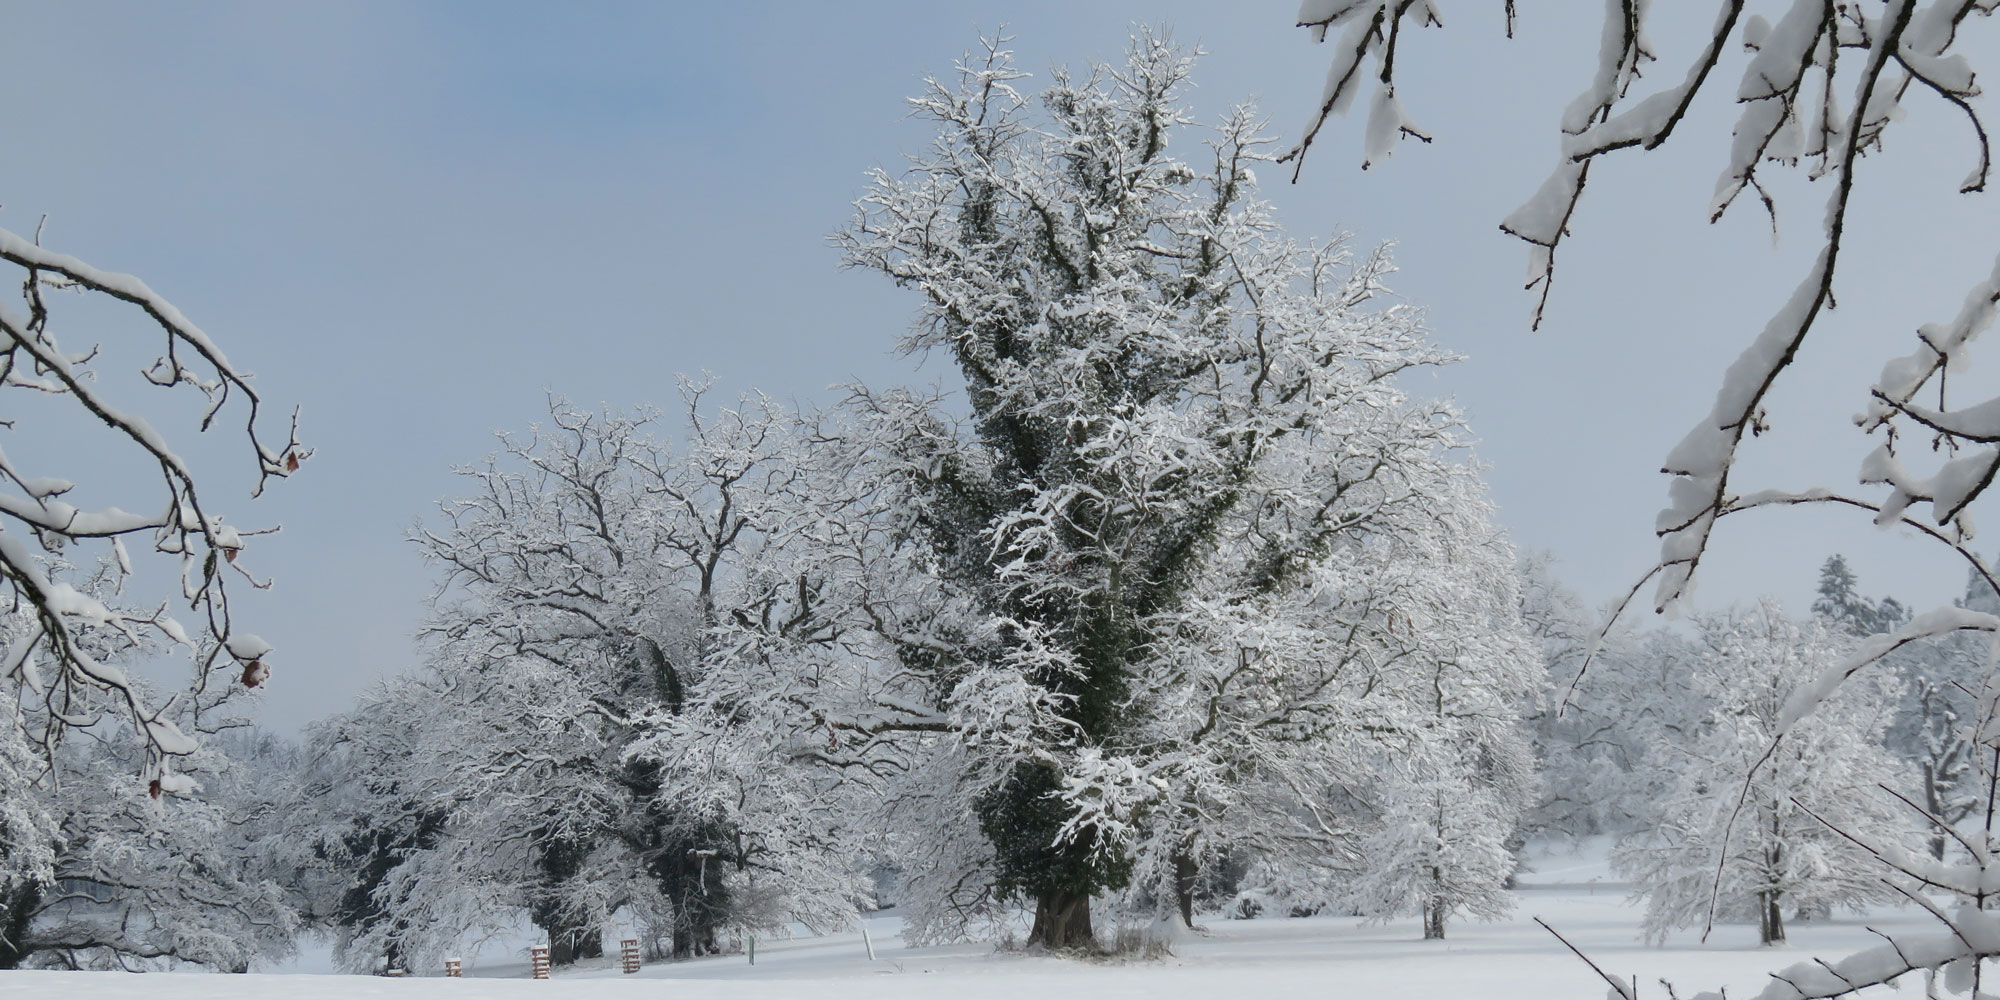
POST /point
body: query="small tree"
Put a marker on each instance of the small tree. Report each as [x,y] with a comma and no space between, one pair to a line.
[1442,848]
[1455,772]
[1598,743]
[1769,842]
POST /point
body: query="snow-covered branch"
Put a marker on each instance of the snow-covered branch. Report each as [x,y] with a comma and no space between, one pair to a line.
[34,514]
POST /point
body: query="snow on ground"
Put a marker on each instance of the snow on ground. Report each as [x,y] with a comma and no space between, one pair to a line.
[1270,958]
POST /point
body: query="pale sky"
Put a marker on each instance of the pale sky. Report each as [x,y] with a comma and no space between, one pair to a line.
[415,219]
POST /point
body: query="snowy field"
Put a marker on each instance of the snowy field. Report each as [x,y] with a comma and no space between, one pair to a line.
[1268,958]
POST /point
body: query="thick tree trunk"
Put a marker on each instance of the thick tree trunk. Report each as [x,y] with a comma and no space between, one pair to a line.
[693,940]
[1062,923]
[16,908]
[392,953]
[692,882]
[1770,920]
[1186,872]
[567,944]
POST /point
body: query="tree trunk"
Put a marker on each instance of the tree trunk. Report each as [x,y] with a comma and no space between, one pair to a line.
[1062,923]
[1770,921]
[1186,872]
[567,944]
[692,881]
[693,940]
[392,952]
[1434,906]
[16,908]
[1933,804]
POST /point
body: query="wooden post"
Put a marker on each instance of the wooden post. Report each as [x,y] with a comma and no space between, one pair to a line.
[538,959]
[753,949]
[453,968]
[866,941]
[628,954]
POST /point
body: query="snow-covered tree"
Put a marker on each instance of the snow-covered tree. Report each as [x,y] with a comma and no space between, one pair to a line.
[1598,741]
[1594,741]
[361,807]
[1454,785]
[100,870]
[563,616]
[567,762]
[1825,81]
[135,878]
[1315,807]
[1944,758]
[52,382]
[28,835]
[1939,679]
[1440,849]
[1840,602]
[1943,678]
[1158,551]
[1790,839]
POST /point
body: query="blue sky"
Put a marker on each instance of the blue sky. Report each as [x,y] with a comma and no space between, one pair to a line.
[414,220]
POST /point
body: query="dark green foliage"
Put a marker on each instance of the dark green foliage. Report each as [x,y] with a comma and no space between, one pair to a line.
[1839,602]
[372,853]
[1164,399]
[685,856]
[17,907]
[689,868]
[570,938]
[1022,819]
[665,676]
